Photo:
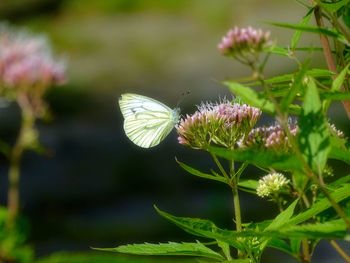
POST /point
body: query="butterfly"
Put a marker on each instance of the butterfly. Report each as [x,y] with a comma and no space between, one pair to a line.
[146,121]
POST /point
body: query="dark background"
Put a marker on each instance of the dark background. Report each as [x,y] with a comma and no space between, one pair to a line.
[97,188]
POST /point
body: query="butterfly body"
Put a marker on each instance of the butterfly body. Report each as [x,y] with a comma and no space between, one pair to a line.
[147,121]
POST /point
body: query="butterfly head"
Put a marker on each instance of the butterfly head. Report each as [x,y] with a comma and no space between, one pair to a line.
[176,114]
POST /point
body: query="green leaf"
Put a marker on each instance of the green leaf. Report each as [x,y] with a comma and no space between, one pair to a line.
[311,29]
[314,139]
[283,217]
[280,161]
[321,205]
[334,7]
[338,82]
[297,34]
[336,86]
[346,16]
[166,249]
[308,49]
[341,181]
[281,245]
[277,50]
[296,86]
[295,244]
[200,174]
[335,95]
[202,228]
[248,183]
[251,97]
[339,152]
[330,229]
[225,248]
[284,51]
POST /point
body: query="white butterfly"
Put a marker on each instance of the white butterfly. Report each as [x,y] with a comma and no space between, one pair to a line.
[147,121]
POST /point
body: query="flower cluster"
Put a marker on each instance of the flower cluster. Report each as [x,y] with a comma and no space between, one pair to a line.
[26,63]
[243,40]
[222,124]
[272,137]
[270,184]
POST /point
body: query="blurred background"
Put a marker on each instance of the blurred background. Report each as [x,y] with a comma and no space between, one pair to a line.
[98,189]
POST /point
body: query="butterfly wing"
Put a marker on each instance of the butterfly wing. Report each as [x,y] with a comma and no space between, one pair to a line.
[147,122]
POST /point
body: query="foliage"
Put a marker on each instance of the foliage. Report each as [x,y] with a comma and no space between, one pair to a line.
[295,152]
[12,240]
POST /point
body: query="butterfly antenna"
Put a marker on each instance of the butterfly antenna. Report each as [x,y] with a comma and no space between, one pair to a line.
[183,95]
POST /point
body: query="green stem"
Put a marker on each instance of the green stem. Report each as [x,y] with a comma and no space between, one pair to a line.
[306,252]
[222,170]
[13,201]
[236,203]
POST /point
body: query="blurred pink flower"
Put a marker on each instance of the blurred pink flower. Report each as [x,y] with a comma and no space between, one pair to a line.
[26,60]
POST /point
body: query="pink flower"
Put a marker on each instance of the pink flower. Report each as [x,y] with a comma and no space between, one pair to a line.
[222,124]
[272,137]
[240,40]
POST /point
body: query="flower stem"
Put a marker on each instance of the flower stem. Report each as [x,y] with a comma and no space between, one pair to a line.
[13,201]
[236,203]
[222,170]
[306,252]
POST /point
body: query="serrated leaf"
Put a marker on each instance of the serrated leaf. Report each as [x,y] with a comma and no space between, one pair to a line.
[298,33]
[251,97]
[334,7]
[166,249]
[296,86]
[202,228]
[312,29]
[283,217]
[280,161]
[198,173]
[321,205]
[314,139]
